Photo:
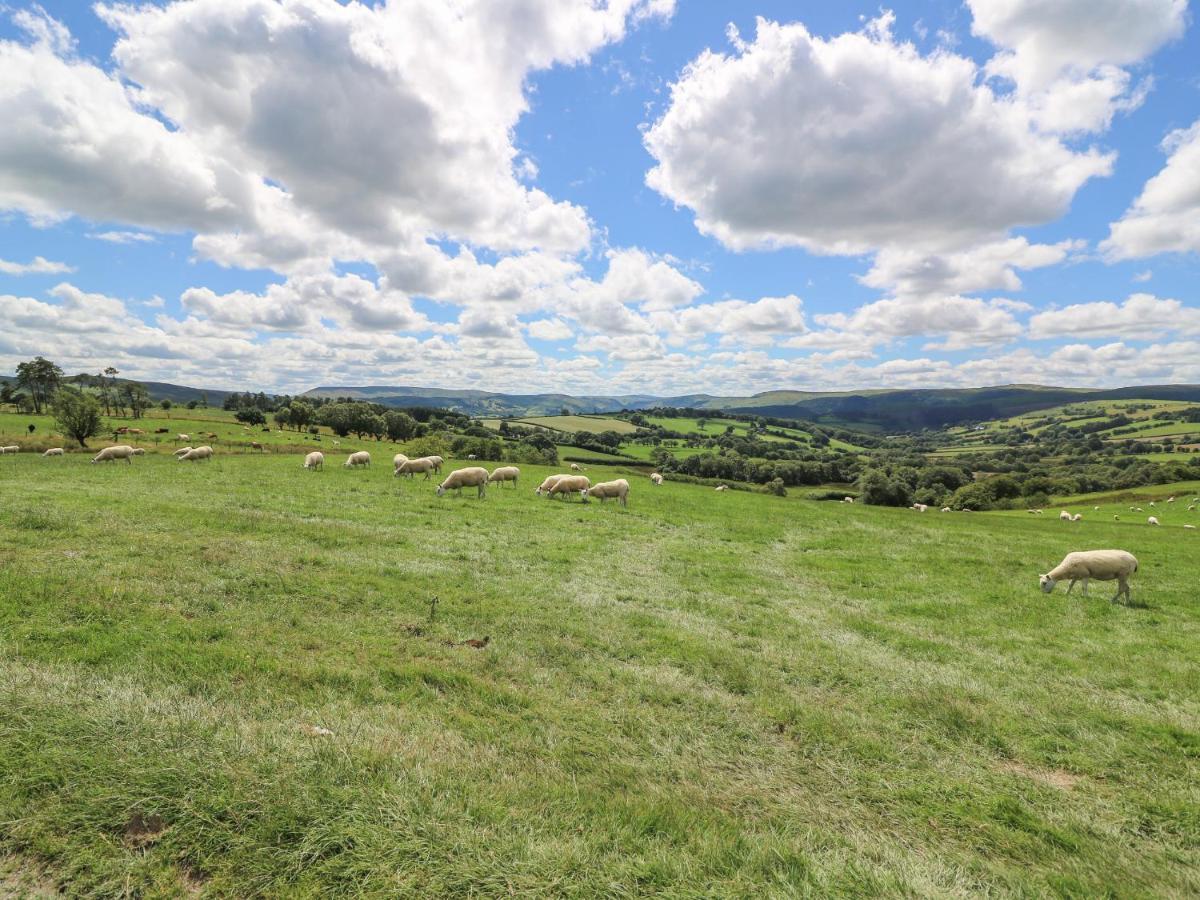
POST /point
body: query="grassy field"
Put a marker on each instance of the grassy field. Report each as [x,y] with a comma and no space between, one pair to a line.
[593,424]
[705,694]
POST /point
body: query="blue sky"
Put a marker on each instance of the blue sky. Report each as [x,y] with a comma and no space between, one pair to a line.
[632,196]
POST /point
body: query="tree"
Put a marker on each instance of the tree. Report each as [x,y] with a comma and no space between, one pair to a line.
[77,414]
[6,392]
[300,414]
[399,426]
[41,378]
[136,397]
[192,404]
[166,406]
[250,416]
[108,387]
[283,416]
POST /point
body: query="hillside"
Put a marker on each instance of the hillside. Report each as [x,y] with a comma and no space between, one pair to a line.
[890,410]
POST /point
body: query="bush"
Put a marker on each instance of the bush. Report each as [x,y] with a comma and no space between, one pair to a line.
[776,487]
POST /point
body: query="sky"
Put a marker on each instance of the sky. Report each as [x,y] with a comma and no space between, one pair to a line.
[602,196]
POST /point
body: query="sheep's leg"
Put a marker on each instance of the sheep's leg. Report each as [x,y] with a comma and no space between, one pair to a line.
[1085,584]
[1071,586]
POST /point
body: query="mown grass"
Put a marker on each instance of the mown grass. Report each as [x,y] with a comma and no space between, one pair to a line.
[703,695]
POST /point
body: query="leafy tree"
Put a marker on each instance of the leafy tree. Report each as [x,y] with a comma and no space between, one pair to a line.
[399,426]
[77,414]
[250,416]
[300,414]
[878,488]
[283,416]
[136,397]
[41,378]
[192,404]
[166,407]
[6,392]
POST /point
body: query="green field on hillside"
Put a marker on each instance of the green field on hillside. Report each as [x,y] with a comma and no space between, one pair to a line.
[570,424]
[225,678]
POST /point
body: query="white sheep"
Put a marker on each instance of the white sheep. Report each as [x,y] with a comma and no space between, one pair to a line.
[847,499]
[474,476]
[655,478]
[1190,526]
[183,437]
[618,489]
[397,459]
[1170,499]
[361,458]
[314,461]
[947,509]
[1152,520]
[437,463]
[1085,565]
[182,451]
[920,507]
[411,466]
[112,454]
[1116,518]
[721,487]
[197,454]
[1064,515]
[1151,502]
[505,473]
[570,484]
[1078,517]
[544,487]
[472,456]
[139,451]
[54,451]
[13,448]
[575,467]
[1138,509]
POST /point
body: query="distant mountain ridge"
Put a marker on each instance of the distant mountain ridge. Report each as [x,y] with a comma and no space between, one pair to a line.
[880,409]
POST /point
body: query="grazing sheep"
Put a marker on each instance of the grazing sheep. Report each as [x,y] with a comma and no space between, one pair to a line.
[1170,499]
[1137,509]
[1085,565]
[474,476]
[396,460]
[1116,518]
[920,507]
[138,451]
[947,509]
[13,448]
[161,430]
[618,489]
[255,445]
[1189,526]
[847,499]
[1151,502]
[182,450]
[1152,520]
[1192,507]
[54,451]
[198,454]
[437,463]
[183,437]
[1063,514]
[575,467]
[112,454]
[314,461]
[472,456]
[544,487]
[721,487]
[569,484]
[410,466]
[1078,517]
[656,478]
[505,473]
[1095,509]
[361,458]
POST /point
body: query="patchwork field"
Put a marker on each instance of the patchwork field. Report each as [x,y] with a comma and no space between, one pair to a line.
[229,678]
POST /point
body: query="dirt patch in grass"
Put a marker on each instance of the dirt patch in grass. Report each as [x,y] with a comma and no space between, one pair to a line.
[1056,778]
[24,879]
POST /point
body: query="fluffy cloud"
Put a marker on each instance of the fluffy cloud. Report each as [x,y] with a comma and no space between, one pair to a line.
[1064,57]
[961,321]
[74,142]
[1141,316]
[39,266]
[123,237]
[987,267]
[852,144]
[1166,216]
[1045,39]
[550,330]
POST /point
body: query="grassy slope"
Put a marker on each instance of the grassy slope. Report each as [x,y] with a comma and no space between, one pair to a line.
[706,694]
[593,424]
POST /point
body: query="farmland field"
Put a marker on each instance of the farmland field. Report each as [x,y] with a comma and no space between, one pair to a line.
[702,695]
[594,424]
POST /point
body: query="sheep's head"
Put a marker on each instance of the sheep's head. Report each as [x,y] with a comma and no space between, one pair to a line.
[441,489]
[584,494]
[1046,582]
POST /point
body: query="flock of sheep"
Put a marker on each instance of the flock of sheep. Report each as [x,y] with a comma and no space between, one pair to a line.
[479,478]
